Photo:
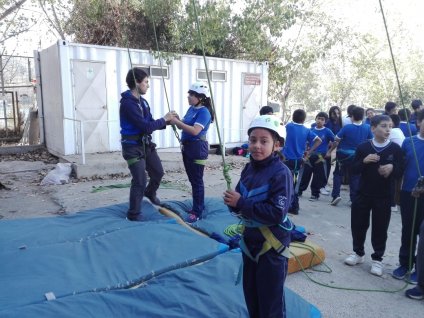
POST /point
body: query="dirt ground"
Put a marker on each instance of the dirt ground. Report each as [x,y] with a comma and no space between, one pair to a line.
[21,196]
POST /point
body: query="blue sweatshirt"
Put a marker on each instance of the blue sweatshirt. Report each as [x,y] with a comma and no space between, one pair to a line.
[411,174]
[266,189]
[135,117]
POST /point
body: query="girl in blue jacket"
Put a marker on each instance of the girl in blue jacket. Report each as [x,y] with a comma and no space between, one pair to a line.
[262,199]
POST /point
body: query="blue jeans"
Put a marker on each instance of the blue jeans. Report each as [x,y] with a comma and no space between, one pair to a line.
[192,151]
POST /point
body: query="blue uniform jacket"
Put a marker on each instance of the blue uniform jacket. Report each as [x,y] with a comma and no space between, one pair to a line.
[135,117]
[266,189]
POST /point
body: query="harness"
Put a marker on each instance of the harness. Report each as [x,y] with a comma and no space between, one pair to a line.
[270,240]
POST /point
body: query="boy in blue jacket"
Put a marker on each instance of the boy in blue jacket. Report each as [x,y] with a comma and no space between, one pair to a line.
[262,199]
[408,200]
[137,126]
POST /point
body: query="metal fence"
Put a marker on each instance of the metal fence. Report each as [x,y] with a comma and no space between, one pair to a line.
[17,95]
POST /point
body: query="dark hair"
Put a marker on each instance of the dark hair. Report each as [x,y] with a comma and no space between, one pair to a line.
[299,116]
[350,109]
[420,115]
[136,73]
[396,120]
[322,114]
[404,114]
[332,111]
[358,113]
[416,103]
[389,107]
[265,110]
[205,101]
[368,109]
[376,120]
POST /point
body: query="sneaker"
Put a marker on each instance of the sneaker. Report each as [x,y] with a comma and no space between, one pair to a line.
[377,268]
[153,198]
[313,198]
[136,218]
[323,191]
[414,293]
[294,211]
[412,279]
[191,218]
[327,188]
[400,272]
[335,201]
[354,259]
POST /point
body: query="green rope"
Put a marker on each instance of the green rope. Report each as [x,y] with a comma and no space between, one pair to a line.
[163,78]
[410,133]
[226,168]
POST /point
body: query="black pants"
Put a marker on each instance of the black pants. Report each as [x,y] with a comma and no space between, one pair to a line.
[263,285]
[360,222]
[149,161]
[316,169]
[407,205]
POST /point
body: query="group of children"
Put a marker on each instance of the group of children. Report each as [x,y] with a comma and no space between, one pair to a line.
[271,182]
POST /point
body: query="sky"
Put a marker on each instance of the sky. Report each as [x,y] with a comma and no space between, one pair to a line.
[360,15]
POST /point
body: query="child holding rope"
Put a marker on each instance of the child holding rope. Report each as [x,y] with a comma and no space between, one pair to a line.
[407,200]
[262,199]
[195,147]
[137,126]
[378,163]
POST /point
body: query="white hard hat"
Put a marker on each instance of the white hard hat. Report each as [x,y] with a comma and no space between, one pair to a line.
[200,88]
[269,122]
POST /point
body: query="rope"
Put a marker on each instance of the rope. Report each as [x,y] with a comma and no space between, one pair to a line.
[226,168]
[163,78]
[410,133]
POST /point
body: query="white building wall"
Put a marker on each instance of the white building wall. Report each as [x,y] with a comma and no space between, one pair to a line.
[63,135]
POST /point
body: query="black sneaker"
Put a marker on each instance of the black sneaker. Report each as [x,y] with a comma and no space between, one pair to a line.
[415,293]
[294,211]
[135,218]
[153,198]
[313,198]
[335,201]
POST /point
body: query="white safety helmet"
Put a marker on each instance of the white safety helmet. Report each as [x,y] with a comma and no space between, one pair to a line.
[269,122]
[200,88]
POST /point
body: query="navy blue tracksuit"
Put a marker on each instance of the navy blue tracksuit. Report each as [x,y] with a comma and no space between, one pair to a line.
[266,189]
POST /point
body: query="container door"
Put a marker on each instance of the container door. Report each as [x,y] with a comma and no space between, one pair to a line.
[251,98]
[89,91]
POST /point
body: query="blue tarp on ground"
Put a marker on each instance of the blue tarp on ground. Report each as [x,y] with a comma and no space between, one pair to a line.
[90,260]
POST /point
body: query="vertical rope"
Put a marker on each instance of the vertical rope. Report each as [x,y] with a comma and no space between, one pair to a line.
[410,138]
[163,78]
[226,168]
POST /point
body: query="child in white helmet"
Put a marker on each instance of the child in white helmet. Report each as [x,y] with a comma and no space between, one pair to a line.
[195,147]
[262,200]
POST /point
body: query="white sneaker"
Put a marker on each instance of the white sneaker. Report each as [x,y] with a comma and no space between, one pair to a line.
[354,259]
[323,191]
[377,268]
[327,188]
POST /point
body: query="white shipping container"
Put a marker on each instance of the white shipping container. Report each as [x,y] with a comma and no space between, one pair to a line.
[79,89]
